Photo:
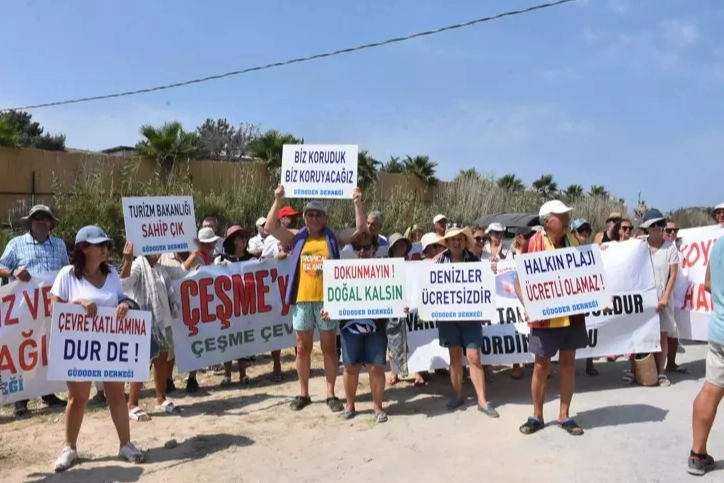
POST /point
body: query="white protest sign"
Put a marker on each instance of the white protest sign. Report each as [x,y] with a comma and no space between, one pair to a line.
[24,336]
[100,348]
[631,325]
[455,291]
[563,282]
[692,302]
[319,170]
[159,224]
[232,311]
[364,288]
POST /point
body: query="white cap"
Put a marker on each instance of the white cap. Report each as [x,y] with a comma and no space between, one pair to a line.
[439,218]
[207,235]
[261,221]
[553,207]
[498,227]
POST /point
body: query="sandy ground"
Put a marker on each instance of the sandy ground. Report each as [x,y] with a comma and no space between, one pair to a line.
[249,434]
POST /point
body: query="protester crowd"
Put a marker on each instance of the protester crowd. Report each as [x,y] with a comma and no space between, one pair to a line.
[87,278]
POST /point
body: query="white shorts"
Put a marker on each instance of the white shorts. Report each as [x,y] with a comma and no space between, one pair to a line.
[715,365]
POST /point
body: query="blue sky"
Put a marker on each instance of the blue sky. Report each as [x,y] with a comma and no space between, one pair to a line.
[624,93]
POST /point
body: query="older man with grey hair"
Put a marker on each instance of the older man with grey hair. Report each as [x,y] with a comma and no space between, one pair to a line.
[375,221]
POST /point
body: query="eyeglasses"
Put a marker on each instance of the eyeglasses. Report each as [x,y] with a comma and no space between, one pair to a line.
[672,230]
[362,248]
[479,239]
[627,228]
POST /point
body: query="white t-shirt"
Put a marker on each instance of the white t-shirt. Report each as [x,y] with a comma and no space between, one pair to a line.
[68,287]
[256,243]
[270,248]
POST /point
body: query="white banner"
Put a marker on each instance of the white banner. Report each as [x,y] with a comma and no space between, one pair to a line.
[24,336]
[365,288]
[159,224]
[455,291]
[99,348]
[693,303]
[563,282]
[631,325]
[232,311]
[319,170]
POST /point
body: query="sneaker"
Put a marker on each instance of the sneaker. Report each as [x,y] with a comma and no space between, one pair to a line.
[130,453]
[67,458]
[53,401]
[698,466]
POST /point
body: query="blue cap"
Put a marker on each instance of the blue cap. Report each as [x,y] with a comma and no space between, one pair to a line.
[579,222]
[91,234]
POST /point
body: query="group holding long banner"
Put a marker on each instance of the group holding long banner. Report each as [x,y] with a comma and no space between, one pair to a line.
[238,310]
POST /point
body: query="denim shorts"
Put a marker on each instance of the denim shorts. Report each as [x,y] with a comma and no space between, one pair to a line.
[369,349]
[548,342]
[467,334]
[308,316]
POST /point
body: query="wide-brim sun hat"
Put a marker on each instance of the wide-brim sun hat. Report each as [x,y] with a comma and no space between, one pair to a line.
[396,238]
[235,230]
[40,209]
[495,227]
[92,235]
[429,239]
[455,231]
[652,217]
[207,235]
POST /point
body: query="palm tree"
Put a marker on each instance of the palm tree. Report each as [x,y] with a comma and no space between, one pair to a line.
[168,144]
[394,165]
[468,174]
[367,168]
[511,182]
[269,146]
[598,191]
[8,134]
[546,186]
[574,191]
[421,167]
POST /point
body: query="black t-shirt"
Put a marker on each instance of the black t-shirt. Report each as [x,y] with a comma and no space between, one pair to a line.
[244,258]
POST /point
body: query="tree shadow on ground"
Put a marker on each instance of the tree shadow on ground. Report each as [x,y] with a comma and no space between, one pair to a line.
[97,474]
[620,414]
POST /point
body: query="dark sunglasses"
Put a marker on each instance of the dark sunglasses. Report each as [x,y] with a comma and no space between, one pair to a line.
[584,231]
[362,248]
[479,238]
[672,230]
[626,228]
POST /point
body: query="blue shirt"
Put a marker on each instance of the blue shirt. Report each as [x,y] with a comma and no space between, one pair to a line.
[25,251]
[716,267]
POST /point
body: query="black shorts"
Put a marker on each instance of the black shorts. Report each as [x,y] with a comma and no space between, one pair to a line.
[547,342]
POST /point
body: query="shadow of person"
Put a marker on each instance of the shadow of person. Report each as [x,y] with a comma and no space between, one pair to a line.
[197,447]
[620,415]
[99,473]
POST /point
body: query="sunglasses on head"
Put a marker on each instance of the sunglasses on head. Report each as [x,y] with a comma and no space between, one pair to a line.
[362,248]
[672,230]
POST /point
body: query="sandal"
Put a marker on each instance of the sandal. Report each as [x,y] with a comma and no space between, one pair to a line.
[591,370]
[245,381]
[347,415]
[138,414]
[454,403]
[419,383]
[168,407]
[628,377]
[225,381]
[334,404]
[381,418]
[276,377]
[533,425]
[300,402]
[663,380]
[571,427]
[392,380]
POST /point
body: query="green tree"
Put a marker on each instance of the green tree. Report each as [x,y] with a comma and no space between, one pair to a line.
[221,141]
[422,168]
[470,174]
[8,134]
[367,168]
[393,165]
[598,191]
[545,186]
[269,146]
[511,182]
[30,134]
[168,144]
[574,191]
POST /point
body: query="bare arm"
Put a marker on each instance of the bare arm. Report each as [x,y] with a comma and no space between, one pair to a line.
[598,238]
[673,271]
[707,279]
[344,236]
[282,234]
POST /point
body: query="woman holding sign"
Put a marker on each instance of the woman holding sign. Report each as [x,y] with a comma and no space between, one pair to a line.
[91,282]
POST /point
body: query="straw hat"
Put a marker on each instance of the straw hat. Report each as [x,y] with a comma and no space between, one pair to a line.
[455,231]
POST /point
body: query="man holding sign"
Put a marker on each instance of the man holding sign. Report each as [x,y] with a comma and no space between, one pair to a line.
[548,337]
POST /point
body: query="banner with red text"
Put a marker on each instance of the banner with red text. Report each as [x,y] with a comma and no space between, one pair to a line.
[24,337]
[232,311]
[629,326]
[693,303]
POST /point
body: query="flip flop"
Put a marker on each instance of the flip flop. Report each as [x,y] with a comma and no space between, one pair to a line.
[571,427]
[138,414]
[168,407]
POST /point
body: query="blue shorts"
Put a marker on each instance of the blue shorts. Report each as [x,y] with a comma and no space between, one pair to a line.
[369,349]
[308,316]
[467,334]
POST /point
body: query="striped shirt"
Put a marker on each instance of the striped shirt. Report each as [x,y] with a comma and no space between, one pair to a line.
[26,252]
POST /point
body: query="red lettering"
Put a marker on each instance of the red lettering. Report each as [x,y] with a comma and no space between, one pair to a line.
[261,290]
[190,316]
[44,350]
[282,283]
[697,299]
[223,309]
[696,253]
[244,299]
[205,298]
[28,353]
[47,299]
[6,360]
[32,304]
[9,300]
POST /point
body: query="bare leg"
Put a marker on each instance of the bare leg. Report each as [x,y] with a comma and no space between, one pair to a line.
[477,375]
[538,384]
[567,368]
[671,353]
[705,407]
[78,393]
[160,374]
[456,371]
[277,358]
[377,386]
[350,376]
[328,342]
[134,393]
[305,339]
[116,395]
[661,355]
